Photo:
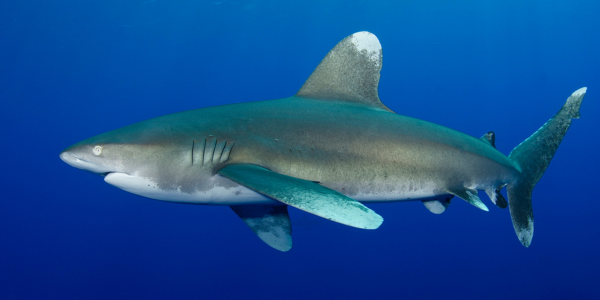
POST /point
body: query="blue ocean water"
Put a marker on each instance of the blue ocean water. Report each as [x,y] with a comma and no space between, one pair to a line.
[72,69]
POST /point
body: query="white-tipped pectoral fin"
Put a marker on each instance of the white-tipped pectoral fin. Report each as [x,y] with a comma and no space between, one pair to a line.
[304,195]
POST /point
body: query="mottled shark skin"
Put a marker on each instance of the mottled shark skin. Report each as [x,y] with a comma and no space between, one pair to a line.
[324,150]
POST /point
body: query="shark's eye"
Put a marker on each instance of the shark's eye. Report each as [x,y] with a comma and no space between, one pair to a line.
[98,150]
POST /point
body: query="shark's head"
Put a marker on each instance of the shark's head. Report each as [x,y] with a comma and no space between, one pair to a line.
[154,159]
[136,149]
[144,158]
[102,154]
[92,157]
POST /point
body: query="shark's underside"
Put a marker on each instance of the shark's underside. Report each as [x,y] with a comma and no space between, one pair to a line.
[324,150]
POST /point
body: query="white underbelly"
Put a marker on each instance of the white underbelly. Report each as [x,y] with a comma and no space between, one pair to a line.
[224,191]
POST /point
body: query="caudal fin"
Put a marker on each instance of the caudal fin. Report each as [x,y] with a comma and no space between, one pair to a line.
[533,157]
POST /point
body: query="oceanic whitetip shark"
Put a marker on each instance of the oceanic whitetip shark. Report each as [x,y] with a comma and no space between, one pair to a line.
[324,150]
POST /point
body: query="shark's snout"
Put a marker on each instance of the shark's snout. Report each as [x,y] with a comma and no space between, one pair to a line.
[69,158]
[80,163]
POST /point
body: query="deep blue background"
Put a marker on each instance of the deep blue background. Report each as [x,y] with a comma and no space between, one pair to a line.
[73,69]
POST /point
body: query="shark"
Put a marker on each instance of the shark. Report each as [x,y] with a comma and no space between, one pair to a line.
[326,150]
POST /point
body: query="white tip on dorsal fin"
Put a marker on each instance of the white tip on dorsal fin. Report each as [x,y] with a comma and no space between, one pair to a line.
[349,72]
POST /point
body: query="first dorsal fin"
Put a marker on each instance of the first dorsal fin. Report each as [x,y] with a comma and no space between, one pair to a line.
[349,72]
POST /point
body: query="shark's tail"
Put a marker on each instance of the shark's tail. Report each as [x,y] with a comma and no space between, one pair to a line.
[532,157]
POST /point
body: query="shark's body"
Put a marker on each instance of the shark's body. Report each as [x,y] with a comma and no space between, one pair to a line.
[331,144]
[366,154]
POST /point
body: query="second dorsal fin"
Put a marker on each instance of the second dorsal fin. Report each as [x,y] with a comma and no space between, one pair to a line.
[349,72]
[489,138]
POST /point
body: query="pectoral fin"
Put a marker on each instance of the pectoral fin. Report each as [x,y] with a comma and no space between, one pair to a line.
[304,195]
[271,223]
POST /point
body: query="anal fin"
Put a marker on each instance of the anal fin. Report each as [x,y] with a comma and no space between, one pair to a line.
[271,223]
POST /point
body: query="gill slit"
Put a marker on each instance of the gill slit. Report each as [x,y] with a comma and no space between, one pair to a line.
[203,151]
